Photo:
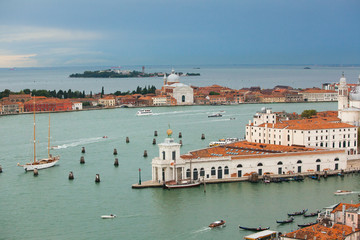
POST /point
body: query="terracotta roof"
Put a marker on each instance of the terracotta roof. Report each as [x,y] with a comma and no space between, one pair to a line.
[347,205]
[309,124]
[244,148]
[317,91]
[338,231]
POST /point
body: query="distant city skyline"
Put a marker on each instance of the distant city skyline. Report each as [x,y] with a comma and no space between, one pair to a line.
[39,33]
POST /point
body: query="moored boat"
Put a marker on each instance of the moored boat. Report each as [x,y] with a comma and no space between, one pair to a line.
[313,214]
[298,213]
[342,192]
[254,229]
[108,216]
[290,220]
[181,184]
[220,223]
[144,112]
[307,224]
[223,141]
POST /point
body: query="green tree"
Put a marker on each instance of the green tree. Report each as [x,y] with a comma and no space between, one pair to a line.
[214,93]
[308,113]
[102,91]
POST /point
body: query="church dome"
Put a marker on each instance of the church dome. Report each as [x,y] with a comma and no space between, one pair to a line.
[173,77]
[355,92]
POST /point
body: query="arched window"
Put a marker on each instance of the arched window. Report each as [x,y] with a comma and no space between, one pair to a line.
[239,166]
[280,163]
[318,160]
[183,98]
[202,172]
[213,171]
[344,144]
[299,161]
[260,164]
[226,170]
[195,174]
[163,153]
[336,159]
[188,173]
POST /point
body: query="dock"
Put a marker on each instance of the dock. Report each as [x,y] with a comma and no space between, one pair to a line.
[321,174]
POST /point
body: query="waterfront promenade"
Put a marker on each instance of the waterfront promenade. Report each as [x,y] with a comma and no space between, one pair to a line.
[353,166]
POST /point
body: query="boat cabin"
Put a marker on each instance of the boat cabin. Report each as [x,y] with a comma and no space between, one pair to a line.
[263,235]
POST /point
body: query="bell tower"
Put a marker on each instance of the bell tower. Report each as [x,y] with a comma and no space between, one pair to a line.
[343,95]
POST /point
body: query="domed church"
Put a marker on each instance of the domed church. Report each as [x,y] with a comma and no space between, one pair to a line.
[183,94]
[349,103]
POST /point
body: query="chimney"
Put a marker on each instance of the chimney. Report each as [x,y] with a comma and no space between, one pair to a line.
[343,213]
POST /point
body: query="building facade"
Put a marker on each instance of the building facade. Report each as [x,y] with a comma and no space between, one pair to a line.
[320,132]
[240,159]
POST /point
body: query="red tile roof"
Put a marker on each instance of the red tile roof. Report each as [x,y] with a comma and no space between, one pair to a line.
[337,232]
[347,205]
[243,148]
[309,124]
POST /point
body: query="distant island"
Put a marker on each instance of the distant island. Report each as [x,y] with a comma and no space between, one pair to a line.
[115,73]
[307,68]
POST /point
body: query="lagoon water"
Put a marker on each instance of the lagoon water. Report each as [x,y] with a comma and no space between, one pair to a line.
[236,77]
[50,206]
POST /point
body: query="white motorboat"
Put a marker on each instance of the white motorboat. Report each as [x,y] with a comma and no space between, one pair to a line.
[223,142]
[108,216]
[144,112]
[342,192]
[42,163]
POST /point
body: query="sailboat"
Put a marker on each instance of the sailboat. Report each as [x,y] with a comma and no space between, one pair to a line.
[50,161]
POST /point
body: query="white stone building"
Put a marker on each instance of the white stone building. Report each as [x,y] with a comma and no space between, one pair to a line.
[349,103]
[319,132]
[77,106]
[182,93]
[240,159]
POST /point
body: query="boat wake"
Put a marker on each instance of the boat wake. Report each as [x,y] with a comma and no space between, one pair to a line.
[190,112]
[204,229]
[82,141]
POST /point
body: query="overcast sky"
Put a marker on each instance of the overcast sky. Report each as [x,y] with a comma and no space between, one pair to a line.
[36,33]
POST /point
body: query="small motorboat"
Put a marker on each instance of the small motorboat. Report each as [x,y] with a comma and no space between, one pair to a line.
[290,220]
[297,213]
[220,223]
[254,229]
[105,136]
[108,216]
[313,214]
[144,112]
[307,224]
[215,115]
[342,192]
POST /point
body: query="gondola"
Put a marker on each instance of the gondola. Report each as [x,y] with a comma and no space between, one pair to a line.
[286,221]
[307,224]
[297,213]
[254,229]
[311,214]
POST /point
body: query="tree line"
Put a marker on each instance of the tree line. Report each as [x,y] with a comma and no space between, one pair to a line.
[63,94]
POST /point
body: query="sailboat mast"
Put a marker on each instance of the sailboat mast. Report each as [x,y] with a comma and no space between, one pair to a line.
[34,134]
[49,139]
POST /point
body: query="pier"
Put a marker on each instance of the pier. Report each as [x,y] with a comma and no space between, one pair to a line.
[153,184]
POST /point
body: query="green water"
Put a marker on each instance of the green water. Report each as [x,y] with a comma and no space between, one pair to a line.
[52,207]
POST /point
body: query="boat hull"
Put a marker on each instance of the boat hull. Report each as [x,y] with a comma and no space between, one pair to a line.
[108,216]
[42,164]
[254,229]
[185,185]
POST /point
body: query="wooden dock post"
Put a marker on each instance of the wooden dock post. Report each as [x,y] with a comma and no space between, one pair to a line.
[116,162]
[154,141]
[180,135]
[145,153]
[82,160]
[115,151]
[127,140]
[155,134]
[36,172]
[202,136]
[97,178]
[71,176]
[83,150]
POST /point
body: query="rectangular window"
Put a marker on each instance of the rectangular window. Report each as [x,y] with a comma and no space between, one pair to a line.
[173,155]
